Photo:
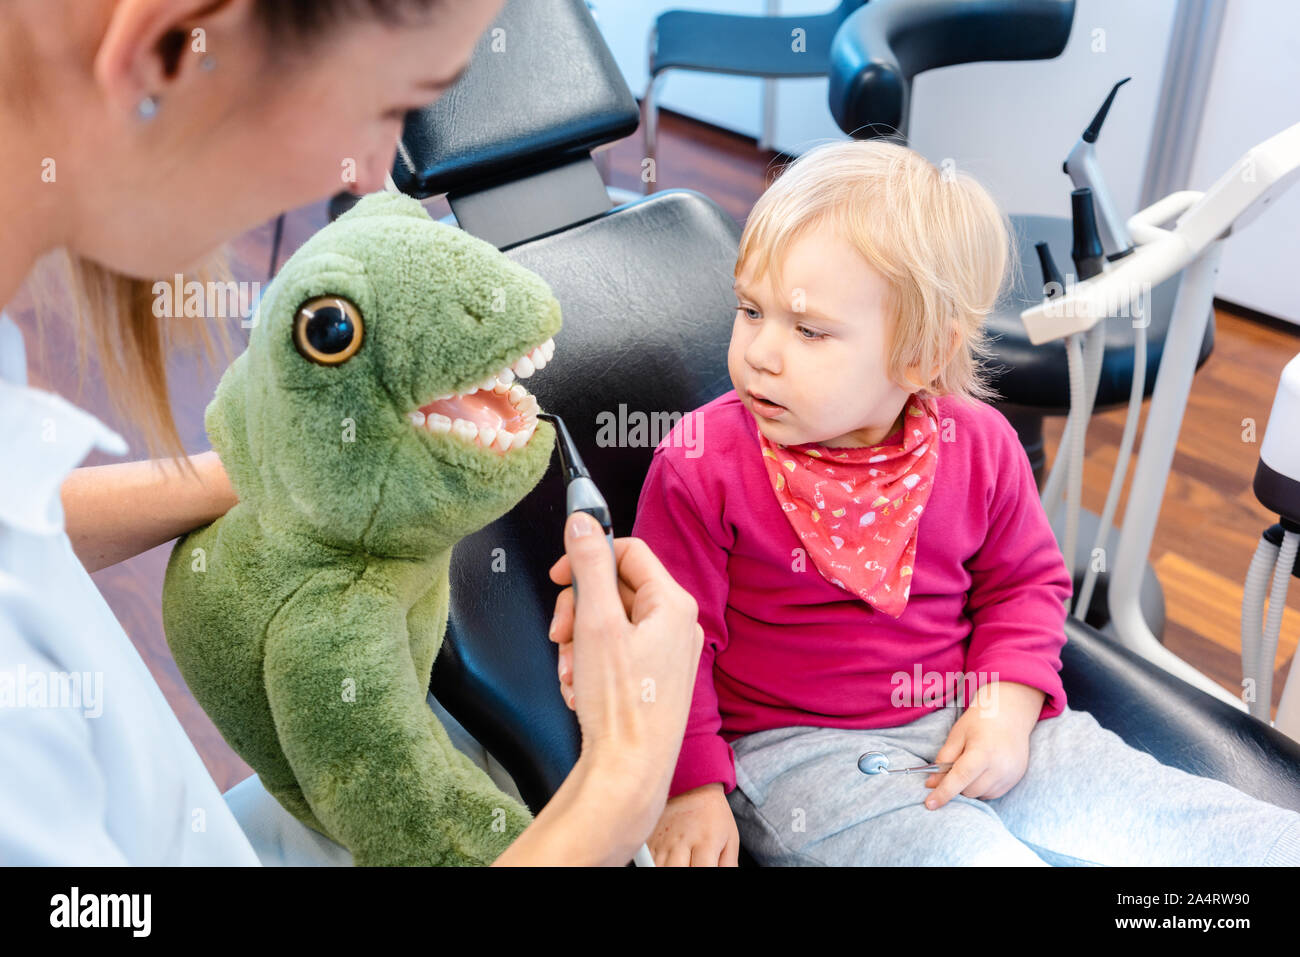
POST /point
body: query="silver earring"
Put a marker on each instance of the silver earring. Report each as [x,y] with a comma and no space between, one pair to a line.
[208,63]
[147,108]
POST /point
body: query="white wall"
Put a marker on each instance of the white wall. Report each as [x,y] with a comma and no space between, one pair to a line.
[1254,93]
[732,102]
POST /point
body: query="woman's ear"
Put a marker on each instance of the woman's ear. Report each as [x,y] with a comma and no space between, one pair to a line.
[151,47]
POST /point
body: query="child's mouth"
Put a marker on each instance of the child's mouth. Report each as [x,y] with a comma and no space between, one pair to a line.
[769,410]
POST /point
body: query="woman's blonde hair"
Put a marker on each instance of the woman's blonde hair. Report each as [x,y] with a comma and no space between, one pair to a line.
[937,236]
[131,344]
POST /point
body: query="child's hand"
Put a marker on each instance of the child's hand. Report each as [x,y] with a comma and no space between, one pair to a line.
[696,829]
[989,743]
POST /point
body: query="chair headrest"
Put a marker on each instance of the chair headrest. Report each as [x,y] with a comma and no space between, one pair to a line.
[541,90]
[881,47]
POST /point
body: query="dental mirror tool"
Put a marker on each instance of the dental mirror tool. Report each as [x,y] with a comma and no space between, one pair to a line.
[877,762]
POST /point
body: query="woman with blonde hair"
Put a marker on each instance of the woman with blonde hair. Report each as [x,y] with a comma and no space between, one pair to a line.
[138,136]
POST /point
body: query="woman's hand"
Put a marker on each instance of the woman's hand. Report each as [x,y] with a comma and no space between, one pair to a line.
[630,657]
[696,829]
[989,743]
[635,648]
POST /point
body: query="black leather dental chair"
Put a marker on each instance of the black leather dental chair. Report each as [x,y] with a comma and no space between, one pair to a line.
[875,57]
[645,288]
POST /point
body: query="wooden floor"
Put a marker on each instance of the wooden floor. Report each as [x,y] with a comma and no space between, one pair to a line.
[1208,528]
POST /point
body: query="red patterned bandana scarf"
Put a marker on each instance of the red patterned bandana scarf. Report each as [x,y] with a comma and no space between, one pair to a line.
[856,510]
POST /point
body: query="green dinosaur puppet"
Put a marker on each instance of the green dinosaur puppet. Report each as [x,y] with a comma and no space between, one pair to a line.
[371,423]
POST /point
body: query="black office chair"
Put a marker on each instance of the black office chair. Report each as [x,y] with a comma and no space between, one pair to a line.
[646,292]
[738,44]
[875,56]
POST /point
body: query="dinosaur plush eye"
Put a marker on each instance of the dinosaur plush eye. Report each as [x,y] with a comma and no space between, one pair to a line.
[328,330]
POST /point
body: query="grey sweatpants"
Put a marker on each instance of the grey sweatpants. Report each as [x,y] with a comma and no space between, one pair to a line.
[1086,799]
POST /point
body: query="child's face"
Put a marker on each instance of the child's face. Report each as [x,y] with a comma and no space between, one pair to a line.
[819,349]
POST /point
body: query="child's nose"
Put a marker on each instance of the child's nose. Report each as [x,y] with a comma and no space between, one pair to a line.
[764,352]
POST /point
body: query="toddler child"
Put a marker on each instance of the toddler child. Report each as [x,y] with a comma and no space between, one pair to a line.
[864,537]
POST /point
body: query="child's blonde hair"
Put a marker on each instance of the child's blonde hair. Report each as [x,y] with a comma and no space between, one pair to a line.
[937,237]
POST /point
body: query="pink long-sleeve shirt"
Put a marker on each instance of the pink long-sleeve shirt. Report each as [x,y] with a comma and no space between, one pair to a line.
[783,647]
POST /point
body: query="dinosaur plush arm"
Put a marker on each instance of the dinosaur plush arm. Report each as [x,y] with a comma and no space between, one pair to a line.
[374,764]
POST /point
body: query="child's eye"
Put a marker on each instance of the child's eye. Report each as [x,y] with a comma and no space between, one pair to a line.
[812,338]
[747,310]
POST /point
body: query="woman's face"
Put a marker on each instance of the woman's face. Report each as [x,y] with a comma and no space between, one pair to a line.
[257,133]
[818,349]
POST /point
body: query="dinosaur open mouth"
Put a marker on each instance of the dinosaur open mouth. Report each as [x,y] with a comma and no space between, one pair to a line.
[498,413]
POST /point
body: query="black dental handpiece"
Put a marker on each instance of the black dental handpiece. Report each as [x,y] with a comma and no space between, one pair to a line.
[580,492]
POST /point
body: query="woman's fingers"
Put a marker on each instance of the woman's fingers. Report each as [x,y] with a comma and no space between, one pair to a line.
[562,621]
[599,606]
[629,626]
[561,628]
[564,667]
[561,572]
[637,564]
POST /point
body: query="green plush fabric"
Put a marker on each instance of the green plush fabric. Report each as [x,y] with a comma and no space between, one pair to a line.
[306,620]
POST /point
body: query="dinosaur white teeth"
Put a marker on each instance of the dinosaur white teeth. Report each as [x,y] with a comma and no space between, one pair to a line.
[485,436]
[502,384]
[521,368]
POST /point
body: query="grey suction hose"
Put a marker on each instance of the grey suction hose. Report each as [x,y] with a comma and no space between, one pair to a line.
[1051,496]
[1085,375]
[1094,344]
[1276,606]
[1252,618]
[1259,639]
[1121,467]
[1073,453]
